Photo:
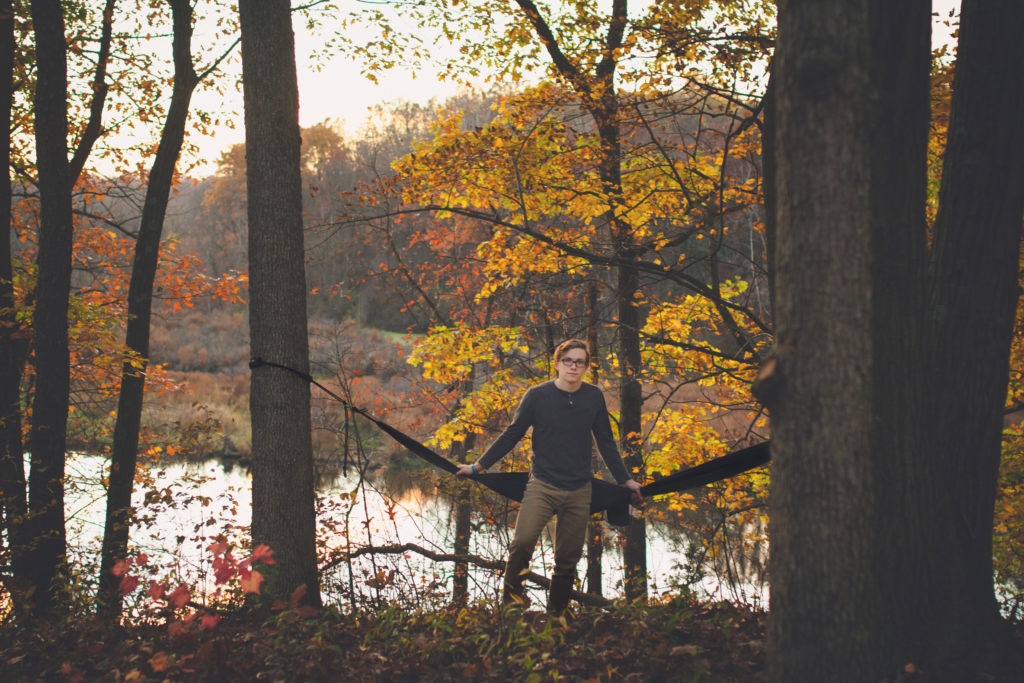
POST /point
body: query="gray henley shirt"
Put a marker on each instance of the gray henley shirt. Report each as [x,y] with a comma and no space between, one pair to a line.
[563,423]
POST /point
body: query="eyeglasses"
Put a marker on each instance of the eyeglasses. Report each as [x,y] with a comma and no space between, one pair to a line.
[570,362]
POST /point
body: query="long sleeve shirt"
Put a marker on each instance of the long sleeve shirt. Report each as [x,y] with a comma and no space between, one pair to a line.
[565,427]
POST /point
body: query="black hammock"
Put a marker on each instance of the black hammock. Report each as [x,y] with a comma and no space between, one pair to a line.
[605,496]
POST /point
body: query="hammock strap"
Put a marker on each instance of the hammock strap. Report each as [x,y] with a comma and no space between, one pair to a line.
[605,496]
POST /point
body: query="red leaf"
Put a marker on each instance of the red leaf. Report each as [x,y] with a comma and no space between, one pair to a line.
[128,584]
[156,590]
[179,597]
[223,569]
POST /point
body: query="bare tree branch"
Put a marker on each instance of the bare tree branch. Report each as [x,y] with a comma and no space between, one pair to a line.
[475,560]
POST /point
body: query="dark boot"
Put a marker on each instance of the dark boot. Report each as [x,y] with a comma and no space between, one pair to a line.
[558,594]
[513,595]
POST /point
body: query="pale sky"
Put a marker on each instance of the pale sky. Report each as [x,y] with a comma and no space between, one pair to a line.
[338,92]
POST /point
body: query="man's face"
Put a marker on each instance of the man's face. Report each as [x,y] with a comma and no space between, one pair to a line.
[572,365]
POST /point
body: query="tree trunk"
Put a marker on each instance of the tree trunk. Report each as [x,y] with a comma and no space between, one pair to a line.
[140,299]
[974,292]
[840,230]
[888,385]
[463,530]
[631,424]
[283,514]
[595,527]
[47,557]
[628,324]
[463,521]
[13,341]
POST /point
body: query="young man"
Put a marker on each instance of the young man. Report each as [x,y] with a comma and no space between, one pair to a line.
[567,415]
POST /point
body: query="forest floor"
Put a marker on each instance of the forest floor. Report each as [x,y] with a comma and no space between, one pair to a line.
[679,641]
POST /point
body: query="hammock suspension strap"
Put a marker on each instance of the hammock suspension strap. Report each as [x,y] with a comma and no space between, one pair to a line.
[605,496]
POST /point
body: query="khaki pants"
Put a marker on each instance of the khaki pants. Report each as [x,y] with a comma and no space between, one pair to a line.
[540,503]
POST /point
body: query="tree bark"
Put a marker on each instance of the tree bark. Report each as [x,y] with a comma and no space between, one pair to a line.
[885,438]
[595,527]
[631,423]
[47,556]
[13,339]
[463,520]
[140,299]
[841,229]
[283,515]
[974,290]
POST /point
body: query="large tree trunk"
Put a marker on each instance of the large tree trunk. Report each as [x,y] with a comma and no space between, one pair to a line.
[886,403]
[140,299]
[47,556]
[845,218]
[604,104]
[13,351]
[973,286]
[283,515]
[13,339]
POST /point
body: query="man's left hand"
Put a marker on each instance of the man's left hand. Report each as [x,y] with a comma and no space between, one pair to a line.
[634,488]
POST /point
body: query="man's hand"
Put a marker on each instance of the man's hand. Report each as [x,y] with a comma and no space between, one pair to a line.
[467,470]
[634,488]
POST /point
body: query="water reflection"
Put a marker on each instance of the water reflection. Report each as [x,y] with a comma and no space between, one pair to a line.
[182,507]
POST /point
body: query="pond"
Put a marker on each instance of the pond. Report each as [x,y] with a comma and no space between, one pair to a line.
[184,506]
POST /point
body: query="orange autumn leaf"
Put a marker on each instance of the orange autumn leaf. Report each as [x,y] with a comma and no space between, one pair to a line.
[262,554]
[251,582]
[159,662]
[297,595]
